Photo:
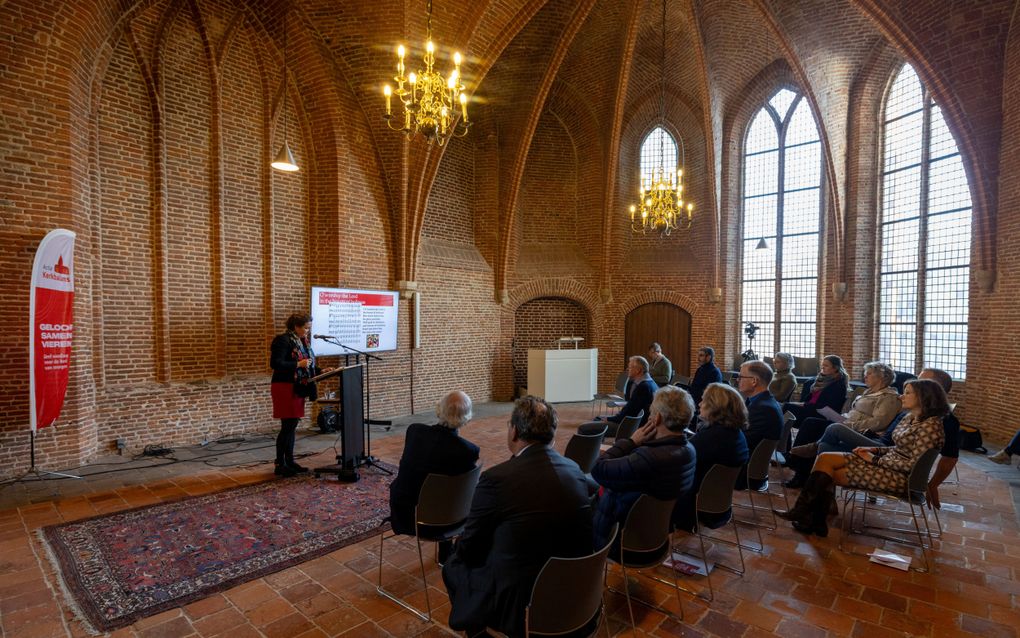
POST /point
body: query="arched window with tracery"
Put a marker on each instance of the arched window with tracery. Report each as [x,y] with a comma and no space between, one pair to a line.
[781,210]
[657,151]
[924,234]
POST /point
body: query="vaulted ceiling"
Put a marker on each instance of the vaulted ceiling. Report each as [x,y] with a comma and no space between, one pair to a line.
[600,59]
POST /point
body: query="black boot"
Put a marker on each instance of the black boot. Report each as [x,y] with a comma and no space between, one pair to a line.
[801,510]
[823,492]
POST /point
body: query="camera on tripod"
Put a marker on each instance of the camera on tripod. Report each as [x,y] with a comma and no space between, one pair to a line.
[750,330]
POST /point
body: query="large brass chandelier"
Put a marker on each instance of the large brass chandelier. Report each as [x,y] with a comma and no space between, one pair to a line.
[662,208]
[429,101]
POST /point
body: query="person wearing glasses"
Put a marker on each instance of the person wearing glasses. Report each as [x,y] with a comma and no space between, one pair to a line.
[764,416]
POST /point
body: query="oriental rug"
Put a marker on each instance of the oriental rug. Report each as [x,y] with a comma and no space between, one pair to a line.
[119,568]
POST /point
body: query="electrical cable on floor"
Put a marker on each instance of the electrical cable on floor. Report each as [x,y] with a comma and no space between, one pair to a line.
[164,454]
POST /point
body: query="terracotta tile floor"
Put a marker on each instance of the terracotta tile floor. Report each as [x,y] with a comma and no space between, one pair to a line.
[798,586]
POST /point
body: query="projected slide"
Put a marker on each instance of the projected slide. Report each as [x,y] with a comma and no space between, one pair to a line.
[365,320]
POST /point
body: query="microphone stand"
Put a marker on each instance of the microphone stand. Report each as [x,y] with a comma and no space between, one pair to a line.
[367,459]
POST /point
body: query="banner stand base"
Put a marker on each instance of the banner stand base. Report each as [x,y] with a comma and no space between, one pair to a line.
[33,470]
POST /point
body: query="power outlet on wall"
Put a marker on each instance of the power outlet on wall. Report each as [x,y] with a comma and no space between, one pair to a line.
[121,445]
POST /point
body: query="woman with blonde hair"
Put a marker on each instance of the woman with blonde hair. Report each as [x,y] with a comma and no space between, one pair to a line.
[720,439]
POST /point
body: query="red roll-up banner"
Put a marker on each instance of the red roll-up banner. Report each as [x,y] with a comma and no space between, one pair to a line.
[51,326]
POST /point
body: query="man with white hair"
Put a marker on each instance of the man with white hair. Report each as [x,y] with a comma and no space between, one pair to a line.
[431,449]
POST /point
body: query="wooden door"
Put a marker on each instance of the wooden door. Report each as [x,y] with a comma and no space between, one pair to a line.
[663,322]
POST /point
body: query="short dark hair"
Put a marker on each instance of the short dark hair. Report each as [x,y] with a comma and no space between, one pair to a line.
[930,396]
[534,420]
[709,350]
[942,377]
[297,319]
[655,347]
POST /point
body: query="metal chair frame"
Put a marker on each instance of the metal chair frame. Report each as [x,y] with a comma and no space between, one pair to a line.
[715,497]
[778,458]
[442,501]
[646,530]
[604,399]
[914,495]
[758,470]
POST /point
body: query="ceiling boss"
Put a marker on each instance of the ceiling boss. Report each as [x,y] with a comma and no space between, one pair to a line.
[428,100]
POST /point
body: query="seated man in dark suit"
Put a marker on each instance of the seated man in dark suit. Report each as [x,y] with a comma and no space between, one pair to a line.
[657,461]
[639,392]
[431,449]
[526,510]
[706,373]
[764,416]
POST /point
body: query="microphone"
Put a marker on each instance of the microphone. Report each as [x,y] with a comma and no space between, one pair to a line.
[323,337]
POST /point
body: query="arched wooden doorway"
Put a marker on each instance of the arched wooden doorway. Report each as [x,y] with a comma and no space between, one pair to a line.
[666,323]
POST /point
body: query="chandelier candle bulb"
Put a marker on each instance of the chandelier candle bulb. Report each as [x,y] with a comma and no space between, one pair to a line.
[387,91]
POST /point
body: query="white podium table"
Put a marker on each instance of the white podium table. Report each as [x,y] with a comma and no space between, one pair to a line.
[563,375]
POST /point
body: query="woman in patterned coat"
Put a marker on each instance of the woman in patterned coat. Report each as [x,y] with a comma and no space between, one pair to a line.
[874,468]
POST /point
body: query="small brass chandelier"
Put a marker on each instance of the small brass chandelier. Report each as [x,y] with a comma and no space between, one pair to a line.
[661,207]
[429,101]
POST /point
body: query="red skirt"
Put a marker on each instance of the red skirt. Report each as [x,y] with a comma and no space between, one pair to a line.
[286,404]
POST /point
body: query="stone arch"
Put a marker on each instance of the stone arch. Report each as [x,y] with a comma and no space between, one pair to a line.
[681,301]
[554,287]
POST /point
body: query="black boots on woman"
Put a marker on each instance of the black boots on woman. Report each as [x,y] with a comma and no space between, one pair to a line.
[811,511]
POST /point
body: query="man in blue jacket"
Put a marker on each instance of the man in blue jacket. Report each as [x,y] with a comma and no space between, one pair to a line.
[639,392]
[657,460]
[764,416]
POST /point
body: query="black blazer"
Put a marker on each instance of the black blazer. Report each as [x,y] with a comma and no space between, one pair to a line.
[525,511]
[428,449]
[639,397]
[764,421]
[283,359]
[833,396]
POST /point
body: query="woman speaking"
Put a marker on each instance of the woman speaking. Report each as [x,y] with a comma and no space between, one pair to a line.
[293,364]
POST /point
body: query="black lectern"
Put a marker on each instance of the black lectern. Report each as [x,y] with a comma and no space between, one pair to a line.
[352,421]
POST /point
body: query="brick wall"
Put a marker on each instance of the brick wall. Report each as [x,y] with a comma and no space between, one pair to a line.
[149,133]
[538,323]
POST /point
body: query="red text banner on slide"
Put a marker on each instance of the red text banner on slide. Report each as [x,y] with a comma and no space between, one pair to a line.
[51,326]
[365,298]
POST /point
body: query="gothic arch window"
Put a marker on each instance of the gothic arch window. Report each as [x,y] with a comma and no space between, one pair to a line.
[658,150]
[925,233]
[782,204]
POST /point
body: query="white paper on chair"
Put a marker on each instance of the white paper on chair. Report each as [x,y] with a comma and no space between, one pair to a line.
[890,559]
[832,415]
[688,565]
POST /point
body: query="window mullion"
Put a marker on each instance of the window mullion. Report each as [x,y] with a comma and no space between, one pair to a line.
[922,231]
[781,177]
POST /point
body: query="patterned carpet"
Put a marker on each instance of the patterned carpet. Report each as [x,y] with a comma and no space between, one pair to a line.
[125,566]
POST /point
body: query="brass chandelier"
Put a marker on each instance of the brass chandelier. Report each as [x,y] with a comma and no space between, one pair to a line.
[428,100]
[661,207]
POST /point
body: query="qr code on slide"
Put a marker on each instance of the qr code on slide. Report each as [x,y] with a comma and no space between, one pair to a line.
[372,341]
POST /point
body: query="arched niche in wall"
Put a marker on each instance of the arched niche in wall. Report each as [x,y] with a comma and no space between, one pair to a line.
[665,323]
[539,322]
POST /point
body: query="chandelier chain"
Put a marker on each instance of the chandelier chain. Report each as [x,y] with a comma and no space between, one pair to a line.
[661,202]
